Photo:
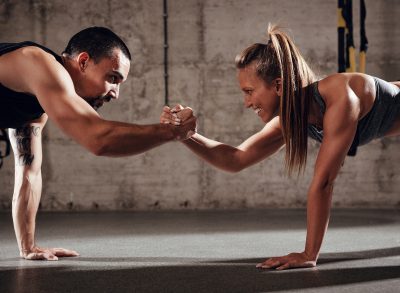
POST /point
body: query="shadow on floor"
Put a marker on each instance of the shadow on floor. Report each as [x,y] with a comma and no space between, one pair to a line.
[185,278]
[358,255]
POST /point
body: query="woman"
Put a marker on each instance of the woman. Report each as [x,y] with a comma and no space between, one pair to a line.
[341,111]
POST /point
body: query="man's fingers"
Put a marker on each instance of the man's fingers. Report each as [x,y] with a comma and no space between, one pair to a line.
[191,120]
[185,114]
[187,129]
[50,253]
[62,252]
[191,126]
[41,256]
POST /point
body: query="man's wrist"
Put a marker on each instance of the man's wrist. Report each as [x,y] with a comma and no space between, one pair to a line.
[168,132]
[25,251]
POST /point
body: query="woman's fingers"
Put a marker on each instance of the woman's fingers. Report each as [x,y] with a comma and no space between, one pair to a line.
[292,260]
[169,118]
[177,108]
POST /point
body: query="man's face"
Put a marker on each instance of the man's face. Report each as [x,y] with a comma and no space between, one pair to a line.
[99,82]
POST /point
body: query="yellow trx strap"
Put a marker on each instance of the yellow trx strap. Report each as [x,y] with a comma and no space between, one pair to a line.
[363,36]
[346,48]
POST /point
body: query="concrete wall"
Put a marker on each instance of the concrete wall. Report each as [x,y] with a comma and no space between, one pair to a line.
[204,38]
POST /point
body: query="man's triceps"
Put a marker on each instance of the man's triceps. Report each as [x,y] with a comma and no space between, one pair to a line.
[23,137]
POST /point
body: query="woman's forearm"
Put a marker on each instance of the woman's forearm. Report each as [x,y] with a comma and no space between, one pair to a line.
[220,155]
[318,212]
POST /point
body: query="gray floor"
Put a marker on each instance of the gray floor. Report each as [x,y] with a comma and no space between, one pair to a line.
[204,252]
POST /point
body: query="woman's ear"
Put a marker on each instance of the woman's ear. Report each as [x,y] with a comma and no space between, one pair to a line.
[278,86]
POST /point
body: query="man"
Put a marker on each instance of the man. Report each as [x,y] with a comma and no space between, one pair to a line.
[37,84]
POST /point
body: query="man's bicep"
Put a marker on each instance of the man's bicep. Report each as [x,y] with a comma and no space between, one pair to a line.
[56,94]
[54,88]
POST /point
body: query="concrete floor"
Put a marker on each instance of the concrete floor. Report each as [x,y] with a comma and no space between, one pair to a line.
[204,252]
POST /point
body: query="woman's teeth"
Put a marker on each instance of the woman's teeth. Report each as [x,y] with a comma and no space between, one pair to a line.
[257,110]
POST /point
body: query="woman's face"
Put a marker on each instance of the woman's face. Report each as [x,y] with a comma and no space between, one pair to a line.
[262,97]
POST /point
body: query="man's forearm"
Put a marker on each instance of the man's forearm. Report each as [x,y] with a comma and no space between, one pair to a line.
[318,212]
[123,139]
[26,200]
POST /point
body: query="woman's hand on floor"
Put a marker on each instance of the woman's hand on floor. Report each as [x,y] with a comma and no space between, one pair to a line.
[292,260]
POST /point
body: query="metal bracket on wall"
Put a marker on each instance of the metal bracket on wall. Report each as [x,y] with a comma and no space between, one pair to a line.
[166,101]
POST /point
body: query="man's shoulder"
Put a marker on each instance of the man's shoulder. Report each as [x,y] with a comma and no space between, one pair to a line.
[27,68]
[35,52]
[28,50]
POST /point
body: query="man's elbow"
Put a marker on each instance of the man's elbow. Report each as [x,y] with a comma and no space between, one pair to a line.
[99,143]
[99,150]
[98,147]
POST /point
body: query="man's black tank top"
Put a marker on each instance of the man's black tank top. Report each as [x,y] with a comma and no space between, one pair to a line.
[16,108]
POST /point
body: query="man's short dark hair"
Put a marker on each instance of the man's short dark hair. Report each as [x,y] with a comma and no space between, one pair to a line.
[98,42]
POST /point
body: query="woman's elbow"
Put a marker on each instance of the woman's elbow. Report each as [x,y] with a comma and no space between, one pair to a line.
[233,168]
[323,186]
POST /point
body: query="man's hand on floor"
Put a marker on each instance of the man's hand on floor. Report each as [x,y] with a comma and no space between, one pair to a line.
[38,253]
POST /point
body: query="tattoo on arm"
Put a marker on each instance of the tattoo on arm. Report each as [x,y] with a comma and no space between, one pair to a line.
[23,137]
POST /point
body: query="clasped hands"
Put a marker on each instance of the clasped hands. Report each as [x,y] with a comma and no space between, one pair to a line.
[182,118]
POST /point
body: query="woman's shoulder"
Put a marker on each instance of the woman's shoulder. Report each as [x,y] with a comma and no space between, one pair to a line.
[333,84]
[344,86]
[340,83]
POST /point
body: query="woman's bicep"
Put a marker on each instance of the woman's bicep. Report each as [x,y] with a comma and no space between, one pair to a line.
[340,126]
